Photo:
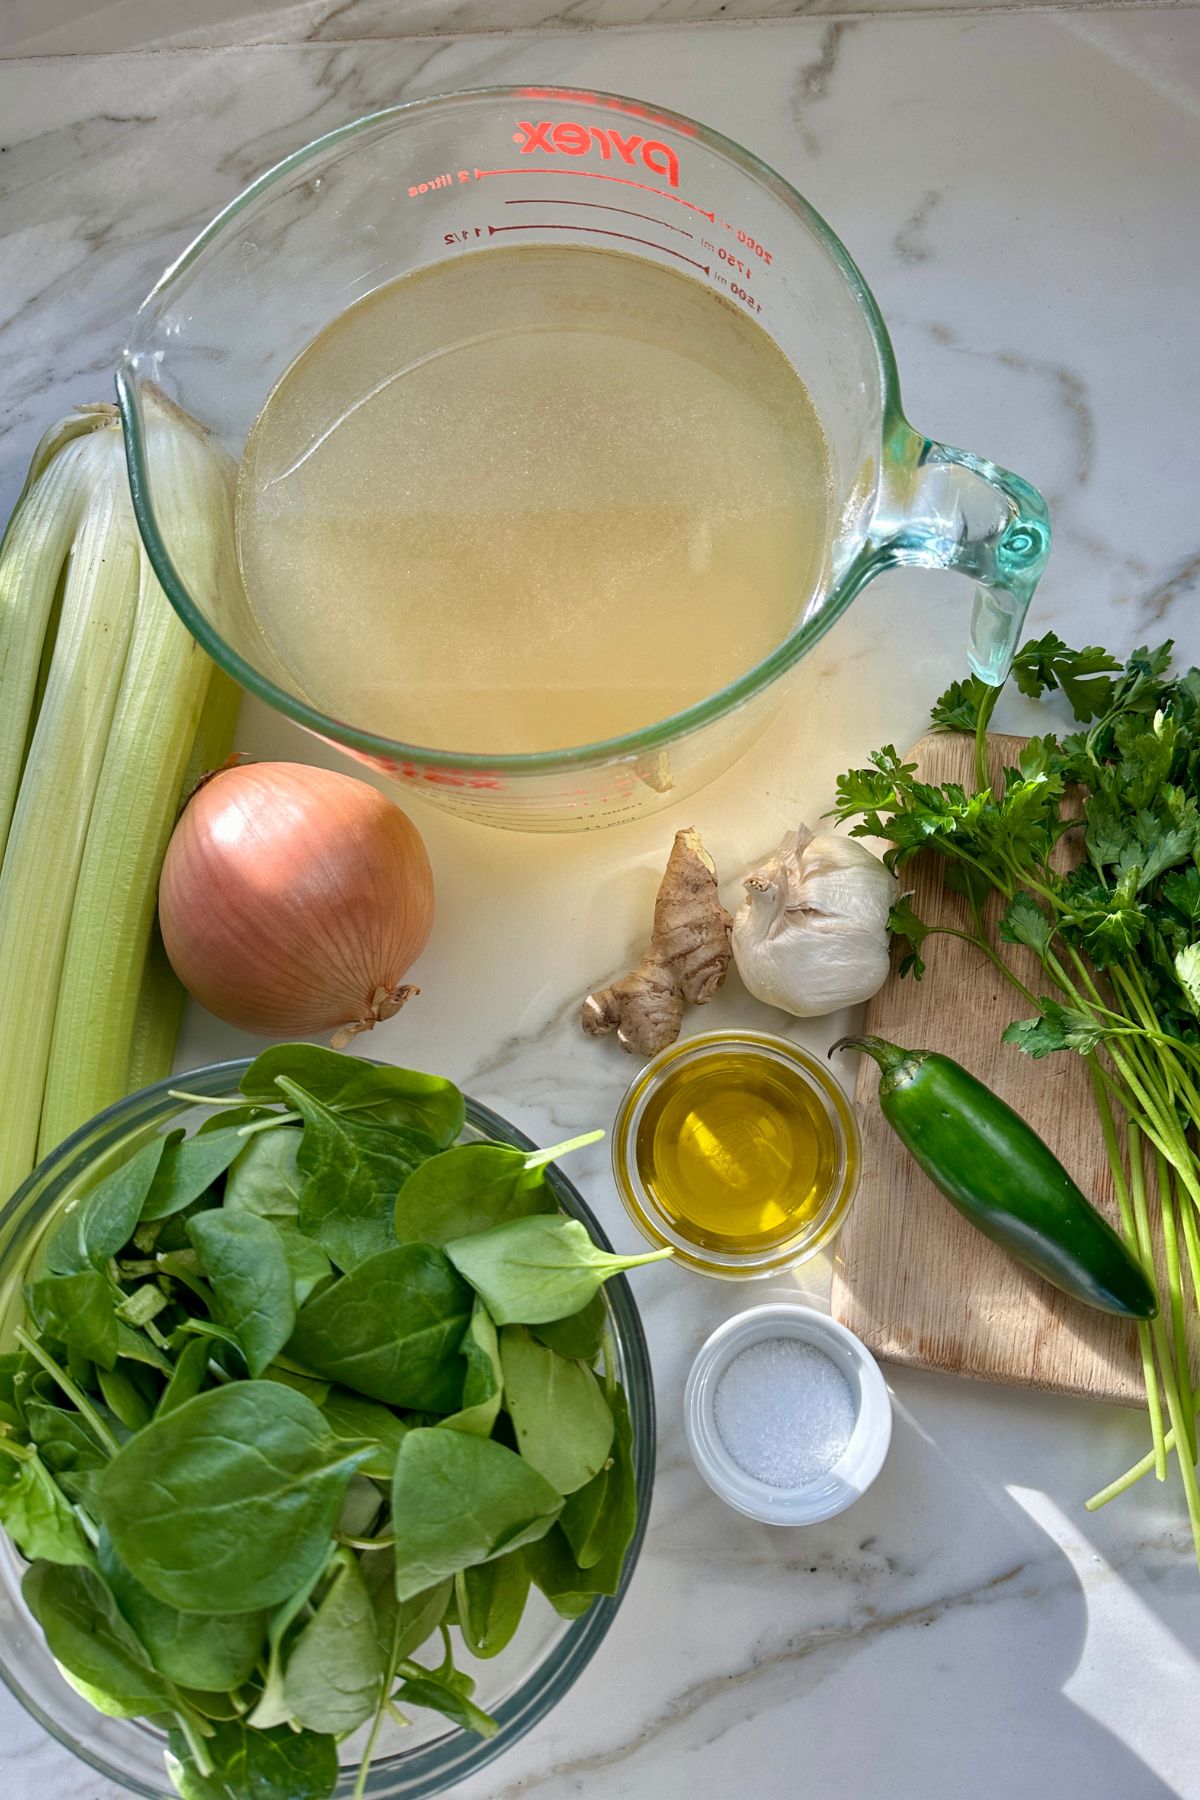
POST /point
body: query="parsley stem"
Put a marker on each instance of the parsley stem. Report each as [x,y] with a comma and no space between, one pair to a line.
[1131,1476]
[1129,1230]
[1167,1196]
[984,943]
[987,706]
[1162,1347]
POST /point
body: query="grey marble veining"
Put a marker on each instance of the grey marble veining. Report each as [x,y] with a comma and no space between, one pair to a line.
[1020,192]
[80,27]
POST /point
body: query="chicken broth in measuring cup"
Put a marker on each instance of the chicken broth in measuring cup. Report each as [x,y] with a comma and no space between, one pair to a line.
[531,498]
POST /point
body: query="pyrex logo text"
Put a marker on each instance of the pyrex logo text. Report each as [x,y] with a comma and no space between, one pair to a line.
[569,139]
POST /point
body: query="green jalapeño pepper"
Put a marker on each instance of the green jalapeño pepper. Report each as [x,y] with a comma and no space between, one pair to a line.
[1004,1179]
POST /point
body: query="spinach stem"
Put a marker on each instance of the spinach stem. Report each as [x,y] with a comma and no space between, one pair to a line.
[537,1158]
[75,1394]
[197,1748]
[257,1125]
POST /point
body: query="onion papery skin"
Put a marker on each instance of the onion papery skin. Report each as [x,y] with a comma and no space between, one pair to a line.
[293,900]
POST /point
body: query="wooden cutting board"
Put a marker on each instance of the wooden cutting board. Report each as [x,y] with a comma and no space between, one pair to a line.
[912,1278]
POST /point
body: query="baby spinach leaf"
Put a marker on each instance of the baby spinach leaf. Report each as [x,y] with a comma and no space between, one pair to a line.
[188,1168]
[533,1270]
[583,1521]
[390,1329]
[335,1670]
[245,1260]
[272,1707]
[96,1227]
[228,1503]
[188,1376]
[374,1091]
[462,1500]
[316,1391]
[563,1425]
[135,1346]
[350,1416]
[65,1445]
[279,1764]
[309,1265]
[427,1689]
[125,1398]
[469,1188]
[360,1508]
[86,1633]
[80,1310]
[212,1705]
[36,1513]
[352,1173]
[401,1626]
[484,1384]
[569,1581]
[230,1116]
[264,1178]
[581,1335]
[197,1650]
[16,1367]
[490,1599]
[553,1568]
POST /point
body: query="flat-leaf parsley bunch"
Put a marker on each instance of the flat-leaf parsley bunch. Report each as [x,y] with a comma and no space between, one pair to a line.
[1117,935]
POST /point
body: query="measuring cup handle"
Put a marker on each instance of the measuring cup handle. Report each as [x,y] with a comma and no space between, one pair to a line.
[951,510]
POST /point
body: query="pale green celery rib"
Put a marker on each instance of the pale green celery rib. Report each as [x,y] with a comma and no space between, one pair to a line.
[142,783]
[157,1019]
[58,786]
[32,555]
[160,1000]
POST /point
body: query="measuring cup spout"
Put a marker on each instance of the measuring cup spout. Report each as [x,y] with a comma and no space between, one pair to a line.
[947,509]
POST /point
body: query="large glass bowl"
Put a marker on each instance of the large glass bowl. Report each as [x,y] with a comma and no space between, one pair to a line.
[519,1687]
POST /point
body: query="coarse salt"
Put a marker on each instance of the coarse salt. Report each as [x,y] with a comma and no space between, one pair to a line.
[784,1411]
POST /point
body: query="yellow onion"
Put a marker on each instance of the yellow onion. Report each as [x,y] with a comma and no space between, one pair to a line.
[293,899]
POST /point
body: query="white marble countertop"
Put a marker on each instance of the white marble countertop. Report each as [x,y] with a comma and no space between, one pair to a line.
[1020,189]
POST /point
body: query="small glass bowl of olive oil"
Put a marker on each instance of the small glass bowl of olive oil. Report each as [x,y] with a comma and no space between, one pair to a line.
[739,1150]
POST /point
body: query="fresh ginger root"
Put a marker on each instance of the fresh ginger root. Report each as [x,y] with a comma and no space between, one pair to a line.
[685,964]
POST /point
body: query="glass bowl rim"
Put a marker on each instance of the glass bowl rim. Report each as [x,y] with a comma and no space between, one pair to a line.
[431,1768]
[649,738]
[722,1264]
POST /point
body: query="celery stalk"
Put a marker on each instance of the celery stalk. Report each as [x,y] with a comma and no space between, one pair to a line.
[58,785]
[160,1002]
[34,550]
[142,784]
[156,1020]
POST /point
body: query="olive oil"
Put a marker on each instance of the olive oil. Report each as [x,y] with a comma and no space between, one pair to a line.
[738,1152]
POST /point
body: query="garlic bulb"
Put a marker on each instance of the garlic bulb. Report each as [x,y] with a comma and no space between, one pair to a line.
[811,935]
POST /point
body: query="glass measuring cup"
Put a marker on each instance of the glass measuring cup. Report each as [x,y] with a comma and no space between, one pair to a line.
[440,178]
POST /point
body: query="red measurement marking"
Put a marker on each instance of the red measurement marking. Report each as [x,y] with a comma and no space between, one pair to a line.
[604,206]
[596,175]
[600,231]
